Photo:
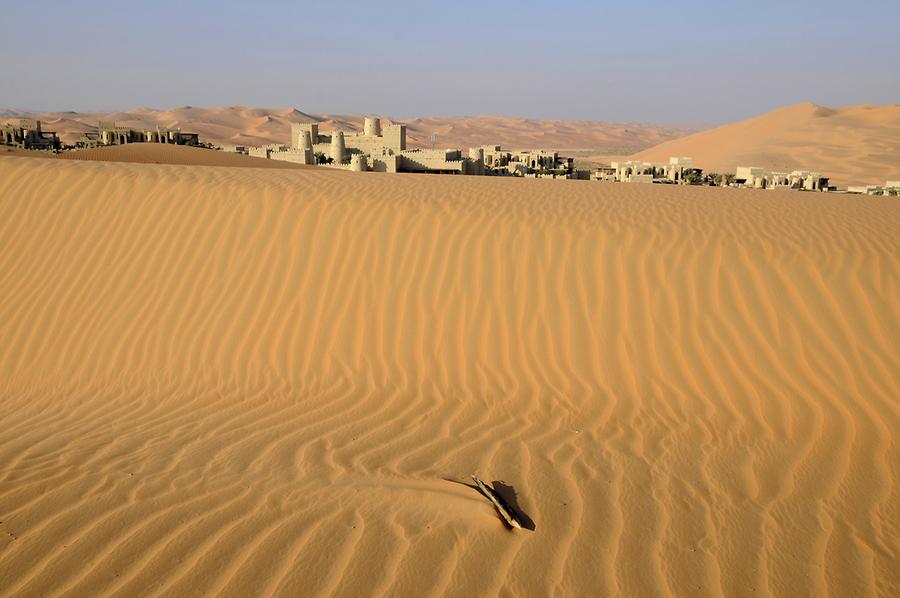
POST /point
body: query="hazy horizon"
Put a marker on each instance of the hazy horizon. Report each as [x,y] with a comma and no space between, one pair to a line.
[698,65]
[14,111]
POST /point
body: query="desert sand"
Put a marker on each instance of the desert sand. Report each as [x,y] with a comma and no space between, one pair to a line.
[237,381]
[242,125]
[11,150]
[854,145]
[157,153]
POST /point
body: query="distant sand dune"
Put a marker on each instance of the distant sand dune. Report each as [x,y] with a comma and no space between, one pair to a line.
[854,144]
[240,382]
[243,125]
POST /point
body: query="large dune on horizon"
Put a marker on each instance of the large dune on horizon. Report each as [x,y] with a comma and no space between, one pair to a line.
[241,125]
[238,382]
[853,145]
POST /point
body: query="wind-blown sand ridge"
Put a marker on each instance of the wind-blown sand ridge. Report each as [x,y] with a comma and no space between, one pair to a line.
[239,381]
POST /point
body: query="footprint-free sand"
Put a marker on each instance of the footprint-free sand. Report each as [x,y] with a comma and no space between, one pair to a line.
[239,381]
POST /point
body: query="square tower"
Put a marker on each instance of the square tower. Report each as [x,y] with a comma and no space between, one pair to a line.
[395,137]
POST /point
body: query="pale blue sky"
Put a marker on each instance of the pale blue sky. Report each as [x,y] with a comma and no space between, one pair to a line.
[656,61]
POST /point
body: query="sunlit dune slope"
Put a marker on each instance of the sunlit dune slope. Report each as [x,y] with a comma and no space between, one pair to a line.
[233,381]
[854,144]
[158,153]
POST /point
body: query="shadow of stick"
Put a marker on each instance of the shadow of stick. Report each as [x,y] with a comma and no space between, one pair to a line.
[508,493]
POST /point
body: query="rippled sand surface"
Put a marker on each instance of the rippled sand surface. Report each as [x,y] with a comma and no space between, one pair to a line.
[238,381]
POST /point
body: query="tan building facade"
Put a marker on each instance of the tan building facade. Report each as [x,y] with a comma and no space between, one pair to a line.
[29,134]
[891,188]
[759,178]
[526,162]
[678,170]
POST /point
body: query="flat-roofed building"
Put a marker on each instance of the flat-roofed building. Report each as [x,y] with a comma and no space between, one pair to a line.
[530,162]
[678,170]
[864,189]
[759,178]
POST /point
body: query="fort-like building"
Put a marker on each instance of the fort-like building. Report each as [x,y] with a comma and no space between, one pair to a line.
[28,134]
[376,148]
[383,149]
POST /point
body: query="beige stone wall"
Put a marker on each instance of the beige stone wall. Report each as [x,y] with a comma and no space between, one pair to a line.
[425,160]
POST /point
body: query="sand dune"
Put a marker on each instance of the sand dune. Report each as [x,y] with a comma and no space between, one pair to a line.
[156,153]
[854,145]
[242,382]
[241,125]
[11,150]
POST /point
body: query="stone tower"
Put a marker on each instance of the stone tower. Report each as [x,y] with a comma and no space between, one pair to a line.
[372,126]
[338,150]
[476,155]
[358,163]
[305,146]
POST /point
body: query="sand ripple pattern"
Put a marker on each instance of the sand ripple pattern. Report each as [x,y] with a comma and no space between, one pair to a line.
[252,382]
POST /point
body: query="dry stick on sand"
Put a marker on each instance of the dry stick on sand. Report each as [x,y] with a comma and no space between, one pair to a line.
[508,513]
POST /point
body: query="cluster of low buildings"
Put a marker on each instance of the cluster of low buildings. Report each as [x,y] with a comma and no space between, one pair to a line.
[890,188]
[383,149]
[759,178]
[109,133]
[678,170]
[29,134]
[681,171]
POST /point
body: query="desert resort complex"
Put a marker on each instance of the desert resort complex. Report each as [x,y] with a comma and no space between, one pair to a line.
[383,148]
[380,148]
